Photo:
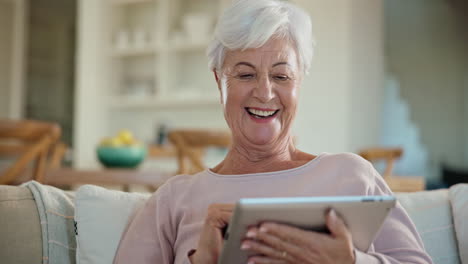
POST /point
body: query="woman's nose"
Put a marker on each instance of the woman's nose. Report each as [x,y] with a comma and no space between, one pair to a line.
[264,89]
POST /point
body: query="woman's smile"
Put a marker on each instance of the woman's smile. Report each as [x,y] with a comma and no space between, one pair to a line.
[262,115]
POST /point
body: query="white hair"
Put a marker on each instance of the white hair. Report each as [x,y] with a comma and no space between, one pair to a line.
[251,23]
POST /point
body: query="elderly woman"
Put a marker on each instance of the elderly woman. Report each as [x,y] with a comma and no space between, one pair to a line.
[259,55]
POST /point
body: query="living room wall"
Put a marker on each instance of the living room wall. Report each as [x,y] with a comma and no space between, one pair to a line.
[427,54]
[340,101]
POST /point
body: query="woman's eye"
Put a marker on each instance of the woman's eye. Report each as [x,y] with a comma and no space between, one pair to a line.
[246,76]
[281,77]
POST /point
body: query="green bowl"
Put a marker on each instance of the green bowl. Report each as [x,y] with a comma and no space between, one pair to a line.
[121,157]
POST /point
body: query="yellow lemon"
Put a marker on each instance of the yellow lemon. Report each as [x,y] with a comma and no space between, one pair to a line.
[106,142]
[126,137]
[116,142]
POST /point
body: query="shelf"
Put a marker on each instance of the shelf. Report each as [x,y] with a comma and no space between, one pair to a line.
[199,46]
[132,52]
[120,102]
[128,2]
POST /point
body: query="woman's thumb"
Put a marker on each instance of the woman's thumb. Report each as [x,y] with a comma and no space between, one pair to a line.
[336,225]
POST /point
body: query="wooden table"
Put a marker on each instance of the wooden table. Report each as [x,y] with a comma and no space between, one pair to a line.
[165,151]
[125,177]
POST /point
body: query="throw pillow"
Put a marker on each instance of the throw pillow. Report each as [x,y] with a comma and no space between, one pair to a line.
[101,218]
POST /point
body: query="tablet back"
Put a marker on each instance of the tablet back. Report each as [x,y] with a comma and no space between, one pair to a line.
[363,215]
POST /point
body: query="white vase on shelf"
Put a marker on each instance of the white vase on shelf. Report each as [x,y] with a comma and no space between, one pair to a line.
[138,89]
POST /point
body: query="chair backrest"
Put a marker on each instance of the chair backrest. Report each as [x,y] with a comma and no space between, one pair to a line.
[389,155]
[28,141]
[190,145]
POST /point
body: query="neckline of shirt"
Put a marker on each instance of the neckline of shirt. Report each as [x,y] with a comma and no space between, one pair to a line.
[310,163]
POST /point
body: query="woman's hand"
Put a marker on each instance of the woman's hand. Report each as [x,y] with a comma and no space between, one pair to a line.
[211,238]
[280,244]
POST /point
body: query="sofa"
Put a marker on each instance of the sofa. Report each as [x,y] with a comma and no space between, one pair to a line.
[43,224]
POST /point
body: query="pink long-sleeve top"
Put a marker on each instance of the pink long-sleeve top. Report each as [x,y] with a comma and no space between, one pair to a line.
[169,224]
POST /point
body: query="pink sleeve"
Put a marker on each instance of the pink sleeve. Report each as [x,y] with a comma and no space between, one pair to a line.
[398,240]
[150,236]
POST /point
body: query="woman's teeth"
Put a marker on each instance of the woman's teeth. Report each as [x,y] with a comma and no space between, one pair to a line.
[261,113]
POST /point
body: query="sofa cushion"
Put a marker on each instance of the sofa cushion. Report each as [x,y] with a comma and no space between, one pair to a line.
[459,199]
[432,215]
[101,217]
[20,230]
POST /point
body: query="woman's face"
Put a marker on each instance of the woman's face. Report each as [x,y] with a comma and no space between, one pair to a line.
[259,88]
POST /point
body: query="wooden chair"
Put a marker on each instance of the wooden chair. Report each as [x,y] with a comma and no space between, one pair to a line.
[190,146]
[29,142]
[390,156]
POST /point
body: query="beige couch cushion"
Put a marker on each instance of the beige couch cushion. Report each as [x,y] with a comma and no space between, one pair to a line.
[102,216]
[432,215]
[459,198]
[20,230]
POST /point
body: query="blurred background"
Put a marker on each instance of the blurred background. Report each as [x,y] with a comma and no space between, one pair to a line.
[386,73]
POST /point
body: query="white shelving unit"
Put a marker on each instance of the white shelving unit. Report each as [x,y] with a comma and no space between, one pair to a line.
[157,53]
[124,2]
[148,50]
[141,66]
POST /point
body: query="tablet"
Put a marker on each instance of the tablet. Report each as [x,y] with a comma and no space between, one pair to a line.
[363,215]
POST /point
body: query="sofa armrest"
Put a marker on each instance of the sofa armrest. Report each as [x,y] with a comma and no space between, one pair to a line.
[459,201]
[20,230]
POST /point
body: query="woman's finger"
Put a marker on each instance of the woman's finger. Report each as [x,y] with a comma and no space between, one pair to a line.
[292,234]
[226,207]
[220,219]
[226,216]
[336,225]
[279,248]
[220,207]
[265,250]
[259,248]
[219,215]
